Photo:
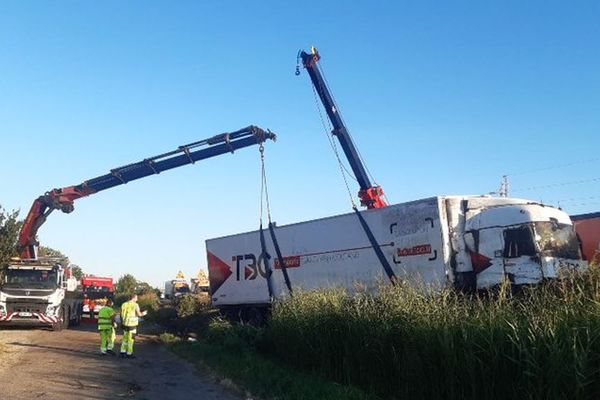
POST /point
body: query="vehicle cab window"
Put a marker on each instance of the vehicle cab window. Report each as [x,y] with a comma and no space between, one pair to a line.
[519,242]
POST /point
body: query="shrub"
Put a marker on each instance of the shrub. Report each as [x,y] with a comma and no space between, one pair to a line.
[120,299]
[168,338]
[148,301]
[187,306]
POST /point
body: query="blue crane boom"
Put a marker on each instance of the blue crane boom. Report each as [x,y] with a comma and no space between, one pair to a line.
[63,199]
[370,195]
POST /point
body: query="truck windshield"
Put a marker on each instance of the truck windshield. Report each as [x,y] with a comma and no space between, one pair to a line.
[21,278]
[518,242]
[557,240]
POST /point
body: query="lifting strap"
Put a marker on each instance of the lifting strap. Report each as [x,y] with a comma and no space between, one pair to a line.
[265,255]
[384,262]
[280,258]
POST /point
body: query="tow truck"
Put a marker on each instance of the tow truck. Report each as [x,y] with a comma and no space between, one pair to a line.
[34,290]
[39,292]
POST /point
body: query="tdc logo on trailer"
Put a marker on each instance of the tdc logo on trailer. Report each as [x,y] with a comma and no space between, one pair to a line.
[249,267]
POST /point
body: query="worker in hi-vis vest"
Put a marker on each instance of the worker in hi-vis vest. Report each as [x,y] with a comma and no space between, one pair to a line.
[106,328]
[130,312]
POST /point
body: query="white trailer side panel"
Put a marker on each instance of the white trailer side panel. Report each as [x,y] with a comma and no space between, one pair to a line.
[334,252]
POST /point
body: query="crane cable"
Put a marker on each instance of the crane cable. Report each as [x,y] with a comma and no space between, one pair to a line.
[376,247]
[264,193]
[348,131]
[264,200]
[341,165]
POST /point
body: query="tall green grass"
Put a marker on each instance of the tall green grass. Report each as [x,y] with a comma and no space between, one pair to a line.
[542,343]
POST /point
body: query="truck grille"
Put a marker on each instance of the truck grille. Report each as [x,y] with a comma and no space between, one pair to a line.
[27,292]
[25,306]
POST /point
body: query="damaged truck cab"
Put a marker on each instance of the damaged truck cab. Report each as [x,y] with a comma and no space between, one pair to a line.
[523,241]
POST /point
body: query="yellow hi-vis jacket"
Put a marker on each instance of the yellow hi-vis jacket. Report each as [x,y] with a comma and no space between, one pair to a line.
[129,316]
[105,318]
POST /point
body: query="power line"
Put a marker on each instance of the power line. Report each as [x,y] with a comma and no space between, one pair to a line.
[594,203]
[557,185]
[555,166]
[574,199]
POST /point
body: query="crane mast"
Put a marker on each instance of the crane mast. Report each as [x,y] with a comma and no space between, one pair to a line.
[371,196]
[63,199]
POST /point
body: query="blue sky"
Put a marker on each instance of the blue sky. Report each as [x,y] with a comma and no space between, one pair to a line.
[441,98]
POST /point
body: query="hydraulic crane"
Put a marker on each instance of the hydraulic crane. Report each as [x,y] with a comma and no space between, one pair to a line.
[63,199]
[371,196]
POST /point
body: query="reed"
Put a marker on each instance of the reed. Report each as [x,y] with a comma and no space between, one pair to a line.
[540,343]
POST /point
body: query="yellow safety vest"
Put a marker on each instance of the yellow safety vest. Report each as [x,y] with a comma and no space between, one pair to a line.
[105,318]
[128,316]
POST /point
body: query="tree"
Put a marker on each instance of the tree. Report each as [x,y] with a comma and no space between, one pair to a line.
[76,271]
[145,288]
[10,226]
[126,285]
[49,252]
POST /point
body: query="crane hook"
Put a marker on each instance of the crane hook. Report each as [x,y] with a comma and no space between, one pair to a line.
[298,63]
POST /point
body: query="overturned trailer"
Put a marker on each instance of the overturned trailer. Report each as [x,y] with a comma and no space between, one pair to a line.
[467,242]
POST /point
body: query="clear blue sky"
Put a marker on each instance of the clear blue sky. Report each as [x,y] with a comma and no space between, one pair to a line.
[441,97]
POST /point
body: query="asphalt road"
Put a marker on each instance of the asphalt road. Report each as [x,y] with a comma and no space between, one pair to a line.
[41,364]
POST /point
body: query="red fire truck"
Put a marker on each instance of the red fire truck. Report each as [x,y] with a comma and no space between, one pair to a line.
[96,290]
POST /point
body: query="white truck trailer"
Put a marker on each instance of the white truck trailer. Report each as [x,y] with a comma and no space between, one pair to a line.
[38,293]
[467,242]
[176,287]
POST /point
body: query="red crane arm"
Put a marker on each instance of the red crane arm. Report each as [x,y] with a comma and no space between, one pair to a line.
[62,199]
[56,199]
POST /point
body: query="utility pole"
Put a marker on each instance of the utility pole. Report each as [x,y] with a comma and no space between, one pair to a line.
[503,192]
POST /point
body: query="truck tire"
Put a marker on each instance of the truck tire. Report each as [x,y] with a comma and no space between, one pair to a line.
[466,282]
[57,327]
[257,316]
[77,319]
[66,316]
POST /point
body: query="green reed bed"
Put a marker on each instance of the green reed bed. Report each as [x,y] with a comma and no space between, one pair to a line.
[541,343]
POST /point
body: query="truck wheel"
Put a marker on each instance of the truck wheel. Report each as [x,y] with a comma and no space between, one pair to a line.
[77,319]
[256,316]
[66,317]
[466,282]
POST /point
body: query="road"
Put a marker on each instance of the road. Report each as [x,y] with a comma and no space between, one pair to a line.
[41,364]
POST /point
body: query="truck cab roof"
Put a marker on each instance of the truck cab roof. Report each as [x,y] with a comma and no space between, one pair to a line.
[33,264]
